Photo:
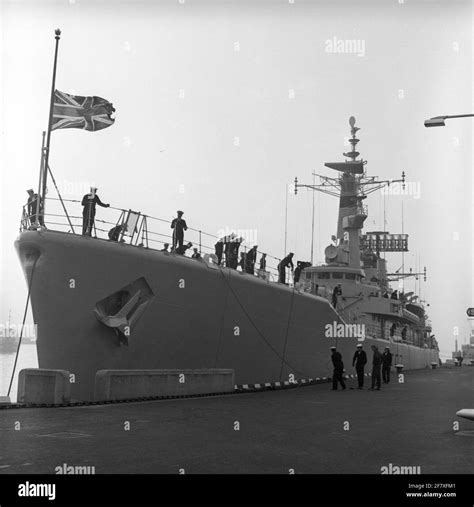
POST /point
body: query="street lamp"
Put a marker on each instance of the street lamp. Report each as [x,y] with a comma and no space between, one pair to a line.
[438,121]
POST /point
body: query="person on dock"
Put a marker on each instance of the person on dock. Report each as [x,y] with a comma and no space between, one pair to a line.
[282,265]
[359,361]
[386,365]
[89,202]
[179,226]
[250,260]
[335,293]
[33,214]
[376,366]
[338,371]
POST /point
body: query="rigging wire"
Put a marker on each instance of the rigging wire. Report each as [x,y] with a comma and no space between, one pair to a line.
[22,326]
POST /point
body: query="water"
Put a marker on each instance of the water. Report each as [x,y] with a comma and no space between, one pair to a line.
[27,358]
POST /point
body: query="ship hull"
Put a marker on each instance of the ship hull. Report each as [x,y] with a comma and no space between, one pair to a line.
[198,317]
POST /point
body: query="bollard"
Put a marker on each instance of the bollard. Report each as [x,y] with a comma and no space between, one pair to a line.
[434,366]
[399,367]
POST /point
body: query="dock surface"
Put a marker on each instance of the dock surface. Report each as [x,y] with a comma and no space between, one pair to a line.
[308,429]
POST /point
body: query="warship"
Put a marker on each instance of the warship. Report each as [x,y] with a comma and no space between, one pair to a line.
[123,303]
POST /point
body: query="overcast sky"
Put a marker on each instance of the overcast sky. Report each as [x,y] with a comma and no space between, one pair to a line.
[220,104]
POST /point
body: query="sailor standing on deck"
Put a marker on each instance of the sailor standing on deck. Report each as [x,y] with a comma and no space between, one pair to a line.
[359,361]
[33,208]
[250,260]
[88,213]
[219,249]
[386,364]
[282,265]
[336,292]
[376,365]
[337,374]
[179,226]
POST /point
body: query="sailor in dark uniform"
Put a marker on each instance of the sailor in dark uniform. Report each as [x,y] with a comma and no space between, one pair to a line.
[337,374]
[179,226]
[227,248]
[250,260]
[89,202]
[219,249]
[359,360]
[386,365]
[376,365]
[336,292]
[282,265]
[234,252]
[33,208]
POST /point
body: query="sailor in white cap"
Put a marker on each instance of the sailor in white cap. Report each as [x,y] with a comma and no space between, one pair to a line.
[359,361]
[337,374]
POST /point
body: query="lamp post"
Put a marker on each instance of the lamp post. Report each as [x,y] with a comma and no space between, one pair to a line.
[438,121]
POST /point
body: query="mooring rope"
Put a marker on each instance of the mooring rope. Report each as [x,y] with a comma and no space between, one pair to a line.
[269,345]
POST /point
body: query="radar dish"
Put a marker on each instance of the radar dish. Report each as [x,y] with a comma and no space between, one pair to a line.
[330,252]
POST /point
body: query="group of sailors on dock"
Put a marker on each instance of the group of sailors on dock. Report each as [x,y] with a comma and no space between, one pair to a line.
[381,364]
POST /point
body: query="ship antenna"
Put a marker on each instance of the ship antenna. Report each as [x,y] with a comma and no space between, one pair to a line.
[353,154]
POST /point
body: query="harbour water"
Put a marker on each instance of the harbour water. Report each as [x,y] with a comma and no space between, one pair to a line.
[27,358]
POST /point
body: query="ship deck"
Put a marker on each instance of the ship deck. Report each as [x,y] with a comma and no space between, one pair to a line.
[405,424]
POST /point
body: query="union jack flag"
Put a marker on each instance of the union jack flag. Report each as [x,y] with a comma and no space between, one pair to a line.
[87,113]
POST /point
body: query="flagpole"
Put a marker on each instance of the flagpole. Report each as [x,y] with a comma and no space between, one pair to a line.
[37,222]
[50,121]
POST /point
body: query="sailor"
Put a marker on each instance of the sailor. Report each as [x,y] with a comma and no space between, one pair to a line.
[179,226]
[114,233]
[181,250]
[300,266]
[376,365]
[250,260]
[196,254]
[227,248]
[297,273]
[386,364]
[242,261]
[165,247]
[219,249]
[33,208]
[336,292]
[263,262]
[282,265]
[89,202]
[394,295]
[234,252]
[337,374]
[359,361]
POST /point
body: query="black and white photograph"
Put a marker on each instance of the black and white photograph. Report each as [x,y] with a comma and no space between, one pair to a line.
[237,243]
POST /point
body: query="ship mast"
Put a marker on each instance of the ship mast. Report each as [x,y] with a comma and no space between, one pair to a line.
[352,186]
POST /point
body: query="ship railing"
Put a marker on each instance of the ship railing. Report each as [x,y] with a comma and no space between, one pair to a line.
[139,230]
